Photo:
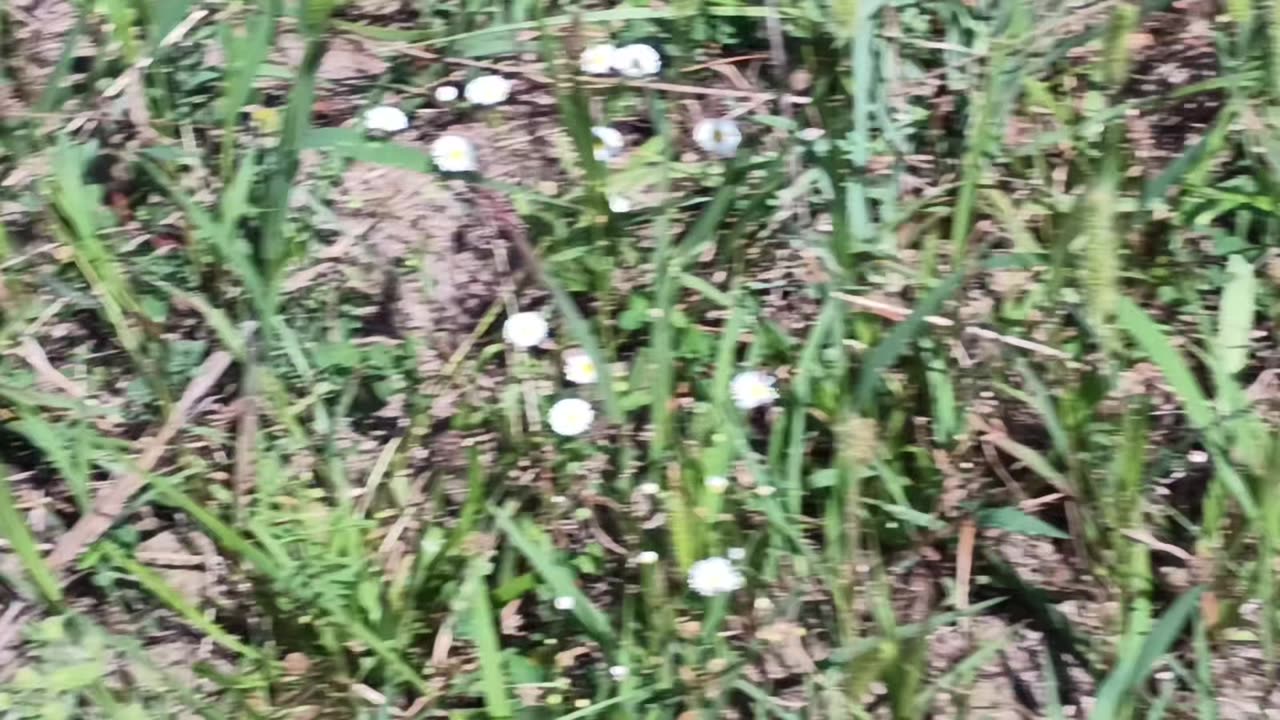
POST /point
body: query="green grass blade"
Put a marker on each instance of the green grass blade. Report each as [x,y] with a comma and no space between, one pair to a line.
[496,700]
[558,576]
[14,529]
[1121,684]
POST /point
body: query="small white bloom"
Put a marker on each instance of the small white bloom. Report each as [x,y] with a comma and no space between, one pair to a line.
[648,557]
[608,143]
[571,416]
[619,204]
[446,94]
[579,368]
[525,330]
[716,483]
[597,59]
[619,672]
[453,153]
[714,576]
[811,134]
[649,488]
[766,490]
[763,604]
[385,118]
[1198,457]
[487,90]
[719,136]
[565,602]
[736,554]
[636,61]
[752,389]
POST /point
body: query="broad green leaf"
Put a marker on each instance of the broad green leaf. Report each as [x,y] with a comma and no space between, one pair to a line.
[1011,519]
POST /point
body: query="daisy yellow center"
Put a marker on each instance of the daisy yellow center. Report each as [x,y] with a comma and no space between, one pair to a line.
[717,136]
[757,391]
[588,367]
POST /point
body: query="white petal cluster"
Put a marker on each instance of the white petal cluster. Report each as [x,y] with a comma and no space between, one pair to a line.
[718,136]
[637,60]
[571,416]
[597,59]
[487,90]
[579,368]
[608,143]
[385,118]
[752,389]
[714,576]
[525,330]
[453,153]
[446,94]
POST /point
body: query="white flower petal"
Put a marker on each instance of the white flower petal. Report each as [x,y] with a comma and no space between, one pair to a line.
[716,483]
[637,60]
[752,389]
[385,118]
[714,576]
[597,59]
[564,602]
[619,204]
[649,488]
[487,90]
[648,557]
[608,143]
[736,554]
[619,672]
[446,94]
[525,330]
[718,136]
[579,368]
[571,416]
[453,153]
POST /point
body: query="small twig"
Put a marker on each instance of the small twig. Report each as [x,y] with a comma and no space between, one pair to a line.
[724,61]
[111,500]
[31,351]
[899,314]
[964,568]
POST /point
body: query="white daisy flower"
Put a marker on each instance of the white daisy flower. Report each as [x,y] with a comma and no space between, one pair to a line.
[453,153]
[752,389]
[718,136]
[648,557]
[597,59]
[525,330]
[766,490]
[736,554]
[579,368]
[619,672]
[564,602]
[619,204]
[649,488]
[1198,457]
[487,90]
[571,416]
[714,576]
[716,483]
[608,143]
[385,118]
[637,61]
[446,94]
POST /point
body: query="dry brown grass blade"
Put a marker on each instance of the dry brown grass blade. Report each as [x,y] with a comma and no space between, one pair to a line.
[110,502]
[31,352]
